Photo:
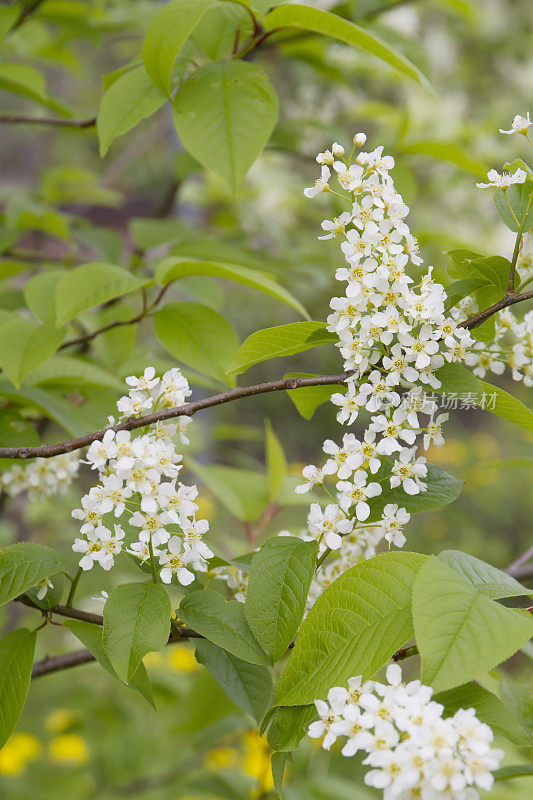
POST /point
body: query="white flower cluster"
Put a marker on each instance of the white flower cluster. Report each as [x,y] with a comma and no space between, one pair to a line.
[138,482]
[392,335]
[412,750]
[42,477]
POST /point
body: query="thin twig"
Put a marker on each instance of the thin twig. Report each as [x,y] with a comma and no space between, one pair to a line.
[58,122]
[481,316]
[188,409]
[26,11]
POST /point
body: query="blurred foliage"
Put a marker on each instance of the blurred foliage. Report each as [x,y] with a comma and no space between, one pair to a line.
[61,204]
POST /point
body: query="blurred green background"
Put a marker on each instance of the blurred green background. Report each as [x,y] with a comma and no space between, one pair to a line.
[82,735]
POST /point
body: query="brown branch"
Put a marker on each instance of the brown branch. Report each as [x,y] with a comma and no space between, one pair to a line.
[188,409]
[88,337]
[63,611]
[84,656]
[481,316]
[58,122]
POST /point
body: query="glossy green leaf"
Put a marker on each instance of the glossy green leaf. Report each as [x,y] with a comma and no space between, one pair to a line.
[442,488]
[173,268]
[249,686]
[460,632]
[168,31]
[222,622]
[129,100]
[91,636]
[354,627]
[24,345]
[279,579]
[457,379]
[16,661]
[23,565]
[512,205]
[198,336]
[224,114]
[487,579]
[92,285]
[136,622]
[328,24]
[282,340]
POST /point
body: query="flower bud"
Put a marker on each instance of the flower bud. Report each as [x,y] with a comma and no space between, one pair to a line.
[359,139]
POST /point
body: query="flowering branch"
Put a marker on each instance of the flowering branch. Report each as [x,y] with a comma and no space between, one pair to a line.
[187,409]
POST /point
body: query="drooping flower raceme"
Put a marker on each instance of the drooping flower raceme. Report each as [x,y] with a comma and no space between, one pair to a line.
[138,488]
[412,750]
[392,335]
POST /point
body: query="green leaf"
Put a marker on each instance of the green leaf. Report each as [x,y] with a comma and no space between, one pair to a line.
[168,31]
[327,24]
[24,345]
[446,151]
[50,405]
[129,100]
[355,626]
[487,579]
[309,398]
[243,492]
[23,565]
[39,295]
[517,771]
[24,80]
[277,765]
[136,622]
[457,379]
[489,709]
[92,285]
[16,661]
[458,290]
[280,576]
[282,340]
[442,488]
[275,461]
[494,269]
[512,205]
[72,372]
[198,336]
[249,686]
[224,114]
[173,268]
[222,622]
[15,431]
[287,725]
[515,693]
[505,405]
[460,632]
[91,636]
